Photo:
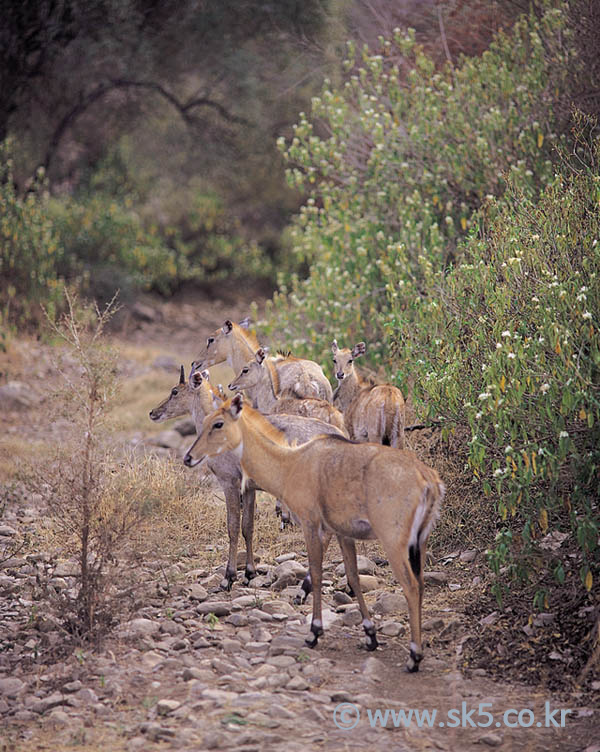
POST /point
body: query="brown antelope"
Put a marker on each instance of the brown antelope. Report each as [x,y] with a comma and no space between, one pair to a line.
[234,344]
[358,491]
[199,398]
[260,376]
[372,412]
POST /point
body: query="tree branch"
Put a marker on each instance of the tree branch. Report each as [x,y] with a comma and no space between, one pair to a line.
[185,109]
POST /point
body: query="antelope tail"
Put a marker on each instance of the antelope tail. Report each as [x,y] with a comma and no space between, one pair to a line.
[425,518]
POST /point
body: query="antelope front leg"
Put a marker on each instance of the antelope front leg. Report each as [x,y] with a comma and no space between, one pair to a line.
[248,507]
[349,553]
[232,502]
[306,587]
[314,548]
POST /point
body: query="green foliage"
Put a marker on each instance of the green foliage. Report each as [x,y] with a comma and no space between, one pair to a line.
[106,247]
[210,246]
[509,345]
[30,250]
[406,159]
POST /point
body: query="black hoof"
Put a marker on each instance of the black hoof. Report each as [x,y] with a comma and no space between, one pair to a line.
[412,665]
[227,583]
[250,574]
[300,599]
[371,643]
[312,642]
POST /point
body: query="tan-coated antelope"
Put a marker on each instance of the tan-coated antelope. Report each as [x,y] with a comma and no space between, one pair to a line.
[260,377]
[358,491]
[200,399]
[236,345]
[372,412]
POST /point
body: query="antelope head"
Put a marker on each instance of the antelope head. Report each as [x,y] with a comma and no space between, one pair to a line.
[176,404]
[221,432]
[251,374]
[218,345]
[343,358]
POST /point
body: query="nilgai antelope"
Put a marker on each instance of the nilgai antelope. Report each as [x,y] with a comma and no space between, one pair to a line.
[372,412]
[199,398]
[234,344]
[358,491]
[260,376]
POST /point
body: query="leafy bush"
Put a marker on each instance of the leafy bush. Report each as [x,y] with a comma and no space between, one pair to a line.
[30,249]
[509,345]
[106,247]
[407,156]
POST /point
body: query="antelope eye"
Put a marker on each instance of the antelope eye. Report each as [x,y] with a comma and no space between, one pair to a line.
[218,425]
[350,362]
[244,370]
[209,341]
[173,392]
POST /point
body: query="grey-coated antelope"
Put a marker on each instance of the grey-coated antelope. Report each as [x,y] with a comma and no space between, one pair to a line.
[259,376]
[372,412]
[236,345]
[200,398]
[358,491]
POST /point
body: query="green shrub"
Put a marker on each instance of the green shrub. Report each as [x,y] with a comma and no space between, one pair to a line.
[30,250]
[508,344]
[406,159]
[106,247]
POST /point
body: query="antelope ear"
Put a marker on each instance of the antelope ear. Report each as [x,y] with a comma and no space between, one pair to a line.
[236,406]
[260,355]
[205,374]
[182,375]
[196,379]
[334,346]
[245,323]
[359,349]
[227,327]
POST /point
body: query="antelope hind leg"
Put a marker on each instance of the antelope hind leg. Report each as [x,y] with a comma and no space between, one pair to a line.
[349,553]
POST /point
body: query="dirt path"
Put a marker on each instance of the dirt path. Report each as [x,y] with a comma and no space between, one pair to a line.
[196,668]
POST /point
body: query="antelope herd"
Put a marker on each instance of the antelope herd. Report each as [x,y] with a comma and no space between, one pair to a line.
[335,460]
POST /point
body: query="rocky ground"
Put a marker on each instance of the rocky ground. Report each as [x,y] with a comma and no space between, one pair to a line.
[197,668]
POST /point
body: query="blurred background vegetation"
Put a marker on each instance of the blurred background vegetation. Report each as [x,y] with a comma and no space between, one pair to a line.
[420,175]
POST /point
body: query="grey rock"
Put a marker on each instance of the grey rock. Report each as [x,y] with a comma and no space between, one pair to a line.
[290,567]
[365,566]
[165,707]
[7,531]
[237,619]
[73,686]
[218,608]
[285,557]
[10,687]
[142,627]
[278,607]
[435,578]
[469,555]
[45,704]
[389,603]
[391,629]
[341,598]
[351,617]
[297,683]
[491,739]
[196,592]
[433,624]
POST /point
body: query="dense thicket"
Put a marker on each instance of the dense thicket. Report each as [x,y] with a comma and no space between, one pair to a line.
[453,223]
